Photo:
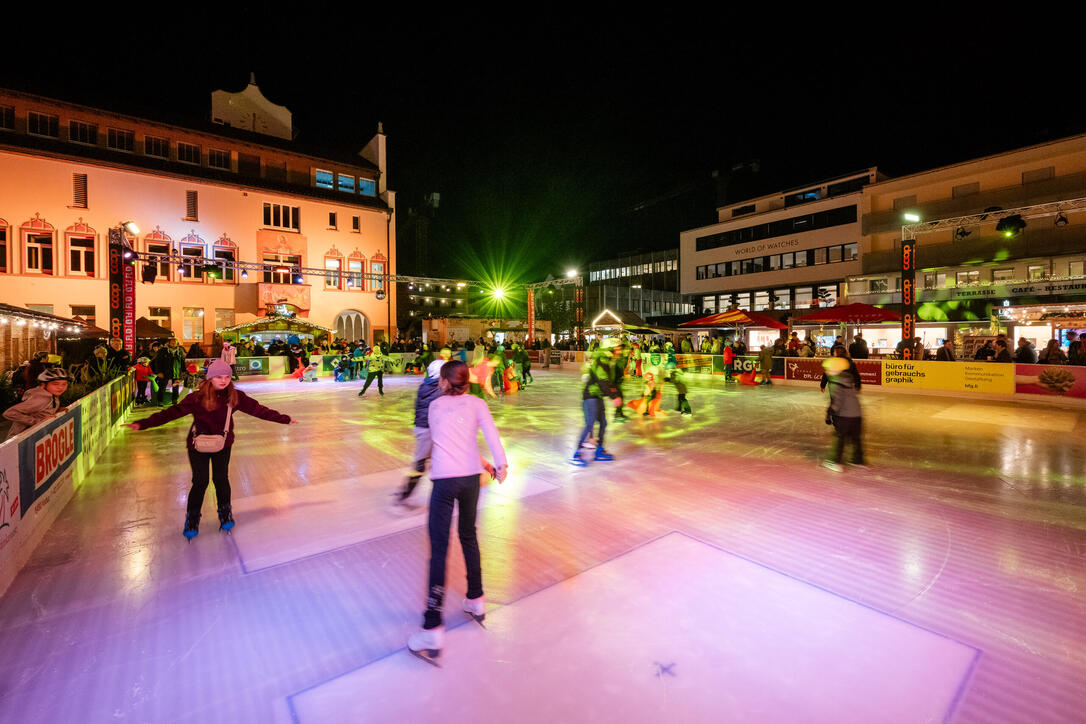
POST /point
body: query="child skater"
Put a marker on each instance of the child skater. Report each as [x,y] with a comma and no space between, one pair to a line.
[144,375]
[212,407]
[455,421]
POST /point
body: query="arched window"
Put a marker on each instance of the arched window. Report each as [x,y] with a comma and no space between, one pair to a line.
[225,250]
[378,268]
[333,265]
[356,269]
[193,251]
[159,246]
[39,240]
[82,243]
[5,247]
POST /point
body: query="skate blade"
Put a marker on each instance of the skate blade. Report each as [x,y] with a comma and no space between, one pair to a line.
[227,527]
[480,619]
[430,656]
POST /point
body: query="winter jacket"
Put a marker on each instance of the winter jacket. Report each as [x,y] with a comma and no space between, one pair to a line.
[729,354]
[428,392]
[211,422]
[597,379]
[119,359]
[765,360]
[844,389]
[1025,355]
[143,373]
[375,361]
[169,363]
[858,349]
[37,405]
[944,355]
[229,354]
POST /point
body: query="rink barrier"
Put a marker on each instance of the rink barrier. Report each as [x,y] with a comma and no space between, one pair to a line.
[41,469]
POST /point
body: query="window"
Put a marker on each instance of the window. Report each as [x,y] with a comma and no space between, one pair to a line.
[827,295]
[84,312]
[748,209]
[161,252]
[355,224]
[3,248]
[965,190]
[42,308]
[835,254]
[160,316]
[192,206]
[1040,174]
[852,252]
[79,190]
[192,266]
[278,216]
[224,318]
[79,132]
[154,146]
[1002,275]
[967,277]
[377,268]
[1074,269]
[820,256]
[39,254]
[1036,271]
[42,124]
[218,159]
[701,272]
[877,286]
[278,268]
[323,179]
[226,252]
[802,197]
[346,183]
[332,220]
[367,187]
[795,224]
[7,118]
[761,301]
[775,262]
[801,258]
[188,153]
[81,256]
[788,260]
[355,267]
[333,266]
[194,324]
[120,140]
[783,298]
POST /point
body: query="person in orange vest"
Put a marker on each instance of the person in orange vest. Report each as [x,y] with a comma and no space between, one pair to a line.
[729,362]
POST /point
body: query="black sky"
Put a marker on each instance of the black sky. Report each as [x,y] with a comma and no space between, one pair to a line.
[542,134]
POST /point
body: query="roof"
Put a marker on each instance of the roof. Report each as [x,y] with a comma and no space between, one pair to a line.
[11,310]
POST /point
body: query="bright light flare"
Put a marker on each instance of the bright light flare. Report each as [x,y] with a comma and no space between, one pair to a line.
[571,273]
[498,293]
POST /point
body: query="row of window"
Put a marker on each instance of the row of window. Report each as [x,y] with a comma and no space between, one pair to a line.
[782,227]
[776,262]
[181,261]
[823,295]
[635,270]
[1045,173]
[192,317]
[119,139]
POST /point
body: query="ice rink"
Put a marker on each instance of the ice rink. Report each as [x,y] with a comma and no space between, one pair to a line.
[713,572]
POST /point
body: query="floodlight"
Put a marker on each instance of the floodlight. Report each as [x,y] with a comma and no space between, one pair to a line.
[571,273]
[1011,225]
[130,228]
[911,217]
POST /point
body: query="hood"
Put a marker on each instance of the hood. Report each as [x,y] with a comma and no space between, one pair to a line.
[37,393]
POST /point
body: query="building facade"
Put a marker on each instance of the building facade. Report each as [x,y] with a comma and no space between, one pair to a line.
[788,251]
[974,279]
[234,189]
[645,284]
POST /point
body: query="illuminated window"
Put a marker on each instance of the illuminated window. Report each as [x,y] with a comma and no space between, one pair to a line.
[1036,271]
[278,268]
[225,250]
[1074,269]
[967,277]
[224,318]
[377,269]
[194,324]
[1002,275]
[192,262]
[81,256]
[367,187]
[323,179]
[346,183]
[39,254]
[356,266]
[160,316]
[333,266]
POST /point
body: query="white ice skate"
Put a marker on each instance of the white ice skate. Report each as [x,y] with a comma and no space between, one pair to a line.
[476,608]
[427,643]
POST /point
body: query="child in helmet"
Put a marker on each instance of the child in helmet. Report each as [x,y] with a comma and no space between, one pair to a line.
[144,375]
[39,403]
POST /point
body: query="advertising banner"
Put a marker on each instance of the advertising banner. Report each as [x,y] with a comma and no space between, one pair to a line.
[695,363]
[809,369]
[10,510]
[1059,380]
[95,423]
[46,454]
[252,366]
[970,377]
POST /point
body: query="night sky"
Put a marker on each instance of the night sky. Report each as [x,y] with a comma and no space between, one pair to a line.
[557,140]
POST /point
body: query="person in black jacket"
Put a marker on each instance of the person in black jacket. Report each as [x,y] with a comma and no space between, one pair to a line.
[117,356]
[986,352]
[429,391]
[946,352]
[1003,354]
[858,348]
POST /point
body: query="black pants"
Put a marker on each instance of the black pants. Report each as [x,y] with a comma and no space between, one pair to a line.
[175,387]
[220,468]
[848,428]
[465,491]
[141,391]
[380,375]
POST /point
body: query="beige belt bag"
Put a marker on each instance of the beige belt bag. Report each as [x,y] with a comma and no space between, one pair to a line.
[213,443]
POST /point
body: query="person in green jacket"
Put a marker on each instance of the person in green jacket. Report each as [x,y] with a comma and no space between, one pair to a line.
[375,367]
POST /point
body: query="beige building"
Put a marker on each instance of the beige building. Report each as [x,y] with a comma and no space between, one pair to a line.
[237,188]
[1031,283]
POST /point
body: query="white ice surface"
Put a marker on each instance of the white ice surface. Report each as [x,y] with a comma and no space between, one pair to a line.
[673,631]
[299,522]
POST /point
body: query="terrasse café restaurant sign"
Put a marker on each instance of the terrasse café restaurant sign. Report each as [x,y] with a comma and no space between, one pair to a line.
[1004,291]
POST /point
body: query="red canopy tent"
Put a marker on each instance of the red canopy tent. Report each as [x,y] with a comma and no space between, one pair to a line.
[856,313]
[736,318]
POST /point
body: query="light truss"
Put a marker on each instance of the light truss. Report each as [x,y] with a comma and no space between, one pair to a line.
[1035,211]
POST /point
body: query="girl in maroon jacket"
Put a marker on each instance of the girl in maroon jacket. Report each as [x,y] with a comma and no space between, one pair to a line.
[209,406]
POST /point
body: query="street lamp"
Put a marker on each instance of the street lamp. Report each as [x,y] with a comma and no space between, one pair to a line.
[571,273]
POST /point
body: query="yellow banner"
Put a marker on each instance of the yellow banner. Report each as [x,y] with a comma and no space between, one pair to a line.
[985,377]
